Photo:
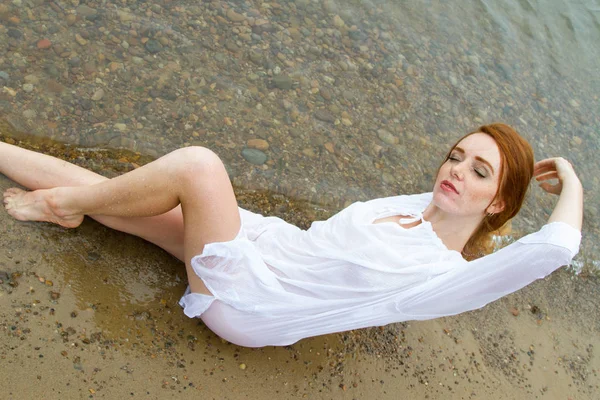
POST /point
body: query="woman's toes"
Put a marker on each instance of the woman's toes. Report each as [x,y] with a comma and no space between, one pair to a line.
[11,192]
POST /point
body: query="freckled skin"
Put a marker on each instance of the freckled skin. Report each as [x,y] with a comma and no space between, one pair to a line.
[474,192]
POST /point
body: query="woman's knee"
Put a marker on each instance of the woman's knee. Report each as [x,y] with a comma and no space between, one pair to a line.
[197,161]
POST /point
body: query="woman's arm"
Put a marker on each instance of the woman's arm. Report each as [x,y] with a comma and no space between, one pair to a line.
[532,257]
[569,208]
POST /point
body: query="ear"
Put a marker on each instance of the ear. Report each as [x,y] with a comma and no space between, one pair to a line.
[496,207]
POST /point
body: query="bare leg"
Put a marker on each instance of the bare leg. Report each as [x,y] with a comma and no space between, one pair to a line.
[192,177]
[39,171]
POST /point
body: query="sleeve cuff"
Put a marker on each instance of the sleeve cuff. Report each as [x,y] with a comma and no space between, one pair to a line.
[195,304]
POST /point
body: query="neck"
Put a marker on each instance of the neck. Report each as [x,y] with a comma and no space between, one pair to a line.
[453,230]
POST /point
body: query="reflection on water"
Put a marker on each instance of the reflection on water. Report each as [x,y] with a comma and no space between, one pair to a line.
[324,101]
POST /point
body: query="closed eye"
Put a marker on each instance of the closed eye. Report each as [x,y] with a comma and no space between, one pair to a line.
[480,173]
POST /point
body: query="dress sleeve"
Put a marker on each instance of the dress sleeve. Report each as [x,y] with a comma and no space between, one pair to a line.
[474,284]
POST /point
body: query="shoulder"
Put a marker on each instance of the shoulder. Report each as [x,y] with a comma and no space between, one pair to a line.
[402,204]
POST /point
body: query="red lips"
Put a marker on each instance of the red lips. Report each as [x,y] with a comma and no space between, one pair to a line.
[448,186]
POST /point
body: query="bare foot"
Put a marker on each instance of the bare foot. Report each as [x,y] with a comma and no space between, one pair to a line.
[36,206]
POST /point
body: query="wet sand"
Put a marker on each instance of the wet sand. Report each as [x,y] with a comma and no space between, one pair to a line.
[92,313]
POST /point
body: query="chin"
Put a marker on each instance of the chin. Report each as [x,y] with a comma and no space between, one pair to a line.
[442,201]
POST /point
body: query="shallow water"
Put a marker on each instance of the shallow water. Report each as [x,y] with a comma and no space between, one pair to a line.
[351,99]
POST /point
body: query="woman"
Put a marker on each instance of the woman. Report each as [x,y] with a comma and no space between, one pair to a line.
[259,281]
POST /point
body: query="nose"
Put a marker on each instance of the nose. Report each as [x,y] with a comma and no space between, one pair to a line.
[458,170]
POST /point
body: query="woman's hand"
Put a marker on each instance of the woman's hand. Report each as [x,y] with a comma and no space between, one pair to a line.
[555,168]
[569,208]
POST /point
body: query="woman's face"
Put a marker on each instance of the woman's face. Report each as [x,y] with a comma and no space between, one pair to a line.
[467,182]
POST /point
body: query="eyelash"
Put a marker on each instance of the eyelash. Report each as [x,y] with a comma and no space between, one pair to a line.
[479,174]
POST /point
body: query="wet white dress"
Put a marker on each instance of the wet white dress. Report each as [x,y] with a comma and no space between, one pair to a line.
[275,284]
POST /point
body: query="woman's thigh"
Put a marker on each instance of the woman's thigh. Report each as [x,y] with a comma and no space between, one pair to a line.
[209,207]
[165,230]
[229,324]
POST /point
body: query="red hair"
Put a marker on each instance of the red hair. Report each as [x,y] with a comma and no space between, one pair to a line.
[516,171]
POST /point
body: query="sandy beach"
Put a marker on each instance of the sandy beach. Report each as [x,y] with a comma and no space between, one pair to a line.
[92,313]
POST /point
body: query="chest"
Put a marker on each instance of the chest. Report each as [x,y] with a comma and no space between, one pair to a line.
[396,219]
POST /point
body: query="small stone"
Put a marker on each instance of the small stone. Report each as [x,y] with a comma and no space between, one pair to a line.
[254,156]
[98,95]
[326,94]
[54,295]
[330,6]
[258,144]
[329,147]
[357,35]
[242,366]
[73,314]
[388,178]
[474,60]
[4,75]
[534,309]
[574,103]
[126,16]
[235,17]
[514,311]
[10,91]
[577,140]
[256,57]
[33,79]
[86,104]
[232,46]
[79,39]
[121,127]
[29,114]
[75,61]
[453,80]
[54,87]
[325,116]
[338,22]
[114,66]
[283,82]
[14,33]
[85,11]
[309,152]
[387,137]
[71,19]
[153,46]
[28,87]
[44,44]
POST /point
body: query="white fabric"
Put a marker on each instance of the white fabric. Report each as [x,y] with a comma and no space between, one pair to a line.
[276,284]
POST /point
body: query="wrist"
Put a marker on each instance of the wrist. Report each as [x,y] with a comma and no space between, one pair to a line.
[573,183]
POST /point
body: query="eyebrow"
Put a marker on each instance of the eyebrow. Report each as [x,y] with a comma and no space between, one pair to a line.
[483,160]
